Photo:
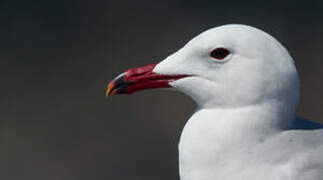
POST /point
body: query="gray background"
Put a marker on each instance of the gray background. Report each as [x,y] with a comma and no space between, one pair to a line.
[56,60]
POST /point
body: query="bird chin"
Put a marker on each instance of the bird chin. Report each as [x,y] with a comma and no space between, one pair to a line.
[200,89]
[189,83]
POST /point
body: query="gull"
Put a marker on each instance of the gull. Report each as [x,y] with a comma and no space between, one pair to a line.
[246,88]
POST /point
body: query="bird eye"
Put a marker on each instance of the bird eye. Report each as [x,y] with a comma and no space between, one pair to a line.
[219,53]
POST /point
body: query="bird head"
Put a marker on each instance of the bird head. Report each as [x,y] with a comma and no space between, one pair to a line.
[227,66]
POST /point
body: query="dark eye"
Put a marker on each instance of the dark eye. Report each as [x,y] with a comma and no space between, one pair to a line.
[219,53]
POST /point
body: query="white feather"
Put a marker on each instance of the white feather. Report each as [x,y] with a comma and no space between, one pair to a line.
[244,127]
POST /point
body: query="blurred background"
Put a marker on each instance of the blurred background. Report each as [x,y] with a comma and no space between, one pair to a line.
[58,56]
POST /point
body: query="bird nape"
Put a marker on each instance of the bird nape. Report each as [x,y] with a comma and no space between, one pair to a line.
[246,88]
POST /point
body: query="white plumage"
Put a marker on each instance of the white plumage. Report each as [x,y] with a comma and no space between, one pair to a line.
[244,127]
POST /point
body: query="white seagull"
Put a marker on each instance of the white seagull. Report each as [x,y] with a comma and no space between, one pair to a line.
[246,88]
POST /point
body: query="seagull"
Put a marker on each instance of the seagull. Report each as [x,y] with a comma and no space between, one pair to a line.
[246,88]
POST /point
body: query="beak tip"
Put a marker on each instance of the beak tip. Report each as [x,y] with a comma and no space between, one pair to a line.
[107,94]
[110,91]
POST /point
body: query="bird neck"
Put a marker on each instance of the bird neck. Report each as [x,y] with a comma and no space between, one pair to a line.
[222,133]
[262,118]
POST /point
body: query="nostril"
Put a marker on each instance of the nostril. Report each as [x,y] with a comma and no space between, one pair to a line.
[135,73]
[139,74]
[134,76]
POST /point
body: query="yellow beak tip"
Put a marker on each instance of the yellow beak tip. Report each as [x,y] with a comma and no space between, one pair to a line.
[110,90]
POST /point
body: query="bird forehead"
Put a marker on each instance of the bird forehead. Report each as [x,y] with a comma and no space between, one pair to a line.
[231,36]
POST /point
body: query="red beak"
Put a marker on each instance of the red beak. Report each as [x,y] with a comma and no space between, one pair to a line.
[139,78]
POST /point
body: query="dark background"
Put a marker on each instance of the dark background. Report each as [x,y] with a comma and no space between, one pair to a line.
[56,60]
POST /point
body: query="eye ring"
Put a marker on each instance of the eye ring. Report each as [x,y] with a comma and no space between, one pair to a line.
[219,53]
